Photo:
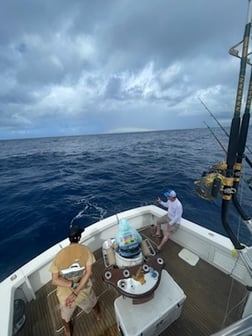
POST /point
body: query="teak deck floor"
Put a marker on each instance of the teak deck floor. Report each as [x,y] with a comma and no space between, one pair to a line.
[213,300]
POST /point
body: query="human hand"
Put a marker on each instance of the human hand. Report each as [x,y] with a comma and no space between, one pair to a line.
[70,299]
[158,199]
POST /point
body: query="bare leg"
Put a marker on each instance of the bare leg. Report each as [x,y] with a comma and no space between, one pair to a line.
[162,220]
[158,229]
[164,240]
[97,311]
[68,328]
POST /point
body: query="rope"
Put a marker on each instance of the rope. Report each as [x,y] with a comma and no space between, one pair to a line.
[228,312]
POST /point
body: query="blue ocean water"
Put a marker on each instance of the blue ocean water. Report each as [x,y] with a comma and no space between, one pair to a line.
[49,183]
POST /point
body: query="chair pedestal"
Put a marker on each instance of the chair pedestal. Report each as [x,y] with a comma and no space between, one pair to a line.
[128,262]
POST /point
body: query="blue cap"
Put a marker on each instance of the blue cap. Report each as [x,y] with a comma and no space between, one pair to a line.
[170,193]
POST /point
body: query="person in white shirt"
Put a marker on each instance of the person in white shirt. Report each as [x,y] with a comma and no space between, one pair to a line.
[170,222]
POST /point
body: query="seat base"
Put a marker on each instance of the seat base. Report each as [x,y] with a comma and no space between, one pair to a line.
[128,262]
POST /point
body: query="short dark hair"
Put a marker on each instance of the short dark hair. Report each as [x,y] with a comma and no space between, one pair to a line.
[74,239]
[75,233]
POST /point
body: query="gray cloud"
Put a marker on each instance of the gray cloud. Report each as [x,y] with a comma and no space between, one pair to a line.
[105,66]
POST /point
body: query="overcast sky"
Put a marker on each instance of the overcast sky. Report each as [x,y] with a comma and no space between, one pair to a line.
[70,67]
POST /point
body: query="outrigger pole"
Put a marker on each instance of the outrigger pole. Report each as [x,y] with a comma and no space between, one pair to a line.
[237,138]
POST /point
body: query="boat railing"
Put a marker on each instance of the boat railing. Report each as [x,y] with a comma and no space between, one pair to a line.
[241,328]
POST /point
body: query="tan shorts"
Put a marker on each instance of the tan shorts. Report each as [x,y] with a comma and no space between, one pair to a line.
[165,226]
[170,228]
[87,305]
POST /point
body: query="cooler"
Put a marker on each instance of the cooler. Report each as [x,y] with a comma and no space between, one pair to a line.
[152,317]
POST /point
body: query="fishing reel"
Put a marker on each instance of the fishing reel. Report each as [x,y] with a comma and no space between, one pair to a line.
[211,184]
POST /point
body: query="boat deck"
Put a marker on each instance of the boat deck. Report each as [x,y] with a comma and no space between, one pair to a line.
[213,300]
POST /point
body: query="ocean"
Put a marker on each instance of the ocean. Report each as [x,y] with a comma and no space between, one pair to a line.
[49,183]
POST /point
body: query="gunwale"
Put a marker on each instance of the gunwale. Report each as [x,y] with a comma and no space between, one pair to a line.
[214,300]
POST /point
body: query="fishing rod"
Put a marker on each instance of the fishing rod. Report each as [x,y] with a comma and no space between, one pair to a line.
[216,138]
[212,115]
[225,131]
[237,138]
[224,178]
[241,147]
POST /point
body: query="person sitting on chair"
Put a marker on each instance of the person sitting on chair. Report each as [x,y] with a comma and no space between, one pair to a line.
[128,240]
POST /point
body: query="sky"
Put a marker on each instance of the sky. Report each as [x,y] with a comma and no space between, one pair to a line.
[108,66]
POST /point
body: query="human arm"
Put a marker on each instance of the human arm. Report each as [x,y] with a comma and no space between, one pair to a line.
[164,204]
[80,285]
[175,213]
[57,280]
[175,219]
[83,281]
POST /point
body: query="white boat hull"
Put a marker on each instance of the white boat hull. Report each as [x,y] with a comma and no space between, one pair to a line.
[207,245]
